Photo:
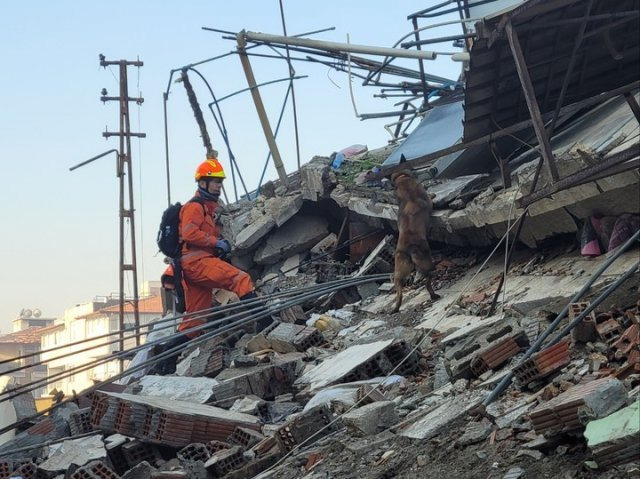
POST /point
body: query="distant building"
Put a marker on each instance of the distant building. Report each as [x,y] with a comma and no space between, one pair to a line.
[30,318]
[21,343]
[88,321]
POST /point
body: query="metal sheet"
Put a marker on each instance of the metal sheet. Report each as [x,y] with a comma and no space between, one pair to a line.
[441,128]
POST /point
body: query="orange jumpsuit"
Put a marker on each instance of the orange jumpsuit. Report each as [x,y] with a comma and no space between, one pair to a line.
[202,270]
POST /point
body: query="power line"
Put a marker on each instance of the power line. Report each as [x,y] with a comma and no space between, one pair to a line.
[256,304]
[198,340]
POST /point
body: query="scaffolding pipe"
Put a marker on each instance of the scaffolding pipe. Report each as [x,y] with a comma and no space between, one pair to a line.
[338,47]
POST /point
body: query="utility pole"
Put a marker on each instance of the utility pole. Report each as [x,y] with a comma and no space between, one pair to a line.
[126,189]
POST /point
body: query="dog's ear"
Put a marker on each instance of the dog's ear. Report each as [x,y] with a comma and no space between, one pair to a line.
[402,159]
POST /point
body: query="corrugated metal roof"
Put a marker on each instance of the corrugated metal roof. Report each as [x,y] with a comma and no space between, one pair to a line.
[441,128]
[607,59]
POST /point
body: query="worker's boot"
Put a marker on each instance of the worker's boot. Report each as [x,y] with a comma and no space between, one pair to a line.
[263,322]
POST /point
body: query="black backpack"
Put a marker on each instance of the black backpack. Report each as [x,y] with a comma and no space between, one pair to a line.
[169,232]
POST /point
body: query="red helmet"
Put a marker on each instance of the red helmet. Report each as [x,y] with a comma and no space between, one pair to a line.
[210,168]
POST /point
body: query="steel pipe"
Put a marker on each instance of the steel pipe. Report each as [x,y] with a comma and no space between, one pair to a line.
[502,386]
[338,47]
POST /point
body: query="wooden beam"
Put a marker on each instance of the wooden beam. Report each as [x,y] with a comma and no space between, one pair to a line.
[532,103]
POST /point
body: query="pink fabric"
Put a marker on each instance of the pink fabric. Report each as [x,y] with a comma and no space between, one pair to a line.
[353,150]
[592,248]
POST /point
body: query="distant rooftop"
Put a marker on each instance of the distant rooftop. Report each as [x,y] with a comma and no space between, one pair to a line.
[150,305]
[27,336]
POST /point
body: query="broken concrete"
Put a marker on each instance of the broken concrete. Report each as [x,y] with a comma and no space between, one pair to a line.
[283,208]
[76,452]
[475,432]
[335,368]
[195,390]
[254,232]
[447,190]
[317,179]
[285,338]
[442,416]
[297,235]
[371,418]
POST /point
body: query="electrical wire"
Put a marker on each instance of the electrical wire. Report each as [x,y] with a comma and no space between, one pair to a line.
[242,306]
[192,342]
[200,313]
[223,131]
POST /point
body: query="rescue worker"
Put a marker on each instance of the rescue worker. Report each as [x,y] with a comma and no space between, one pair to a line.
[202,266]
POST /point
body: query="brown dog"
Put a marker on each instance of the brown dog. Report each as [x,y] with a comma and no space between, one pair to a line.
[412,251]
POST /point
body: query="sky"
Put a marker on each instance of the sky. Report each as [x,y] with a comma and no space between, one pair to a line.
[59,242]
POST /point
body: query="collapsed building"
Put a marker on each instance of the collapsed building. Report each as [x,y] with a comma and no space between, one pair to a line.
[529,364]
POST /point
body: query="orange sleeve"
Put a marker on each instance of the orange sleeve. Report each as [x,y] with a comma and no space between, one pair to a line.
[192,221]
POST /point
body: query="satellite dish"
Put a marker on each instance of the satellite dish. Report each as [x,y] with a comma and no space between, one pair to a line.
[26,313]
[37,313]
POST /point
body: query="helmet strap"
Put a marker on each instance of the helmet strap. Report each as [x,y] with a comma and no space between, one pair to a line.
[204,192]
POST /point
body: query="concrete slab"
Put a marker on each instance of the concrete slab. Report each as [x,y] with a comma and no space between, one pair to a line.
[430,425]
[195,390]
[504,413]
[297,235]
[290,265]
[254,232]
[367,207]
[371,418]
[333,369]
[184,407]
[449,189]
[283,208]
[364,329]
[473,326]
[74,451]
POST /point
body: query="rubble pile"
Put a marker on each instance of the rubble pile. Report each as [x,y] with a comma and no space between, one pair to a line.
[354,391]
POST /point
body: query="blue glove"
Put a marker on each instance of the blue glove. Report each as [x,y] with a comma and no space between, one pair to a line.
[223,245]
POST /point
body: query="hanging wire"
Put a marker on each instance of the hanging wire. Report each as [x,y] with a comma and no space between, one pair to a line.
[223,132]
[275,135]
[293,95]
[202,314]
